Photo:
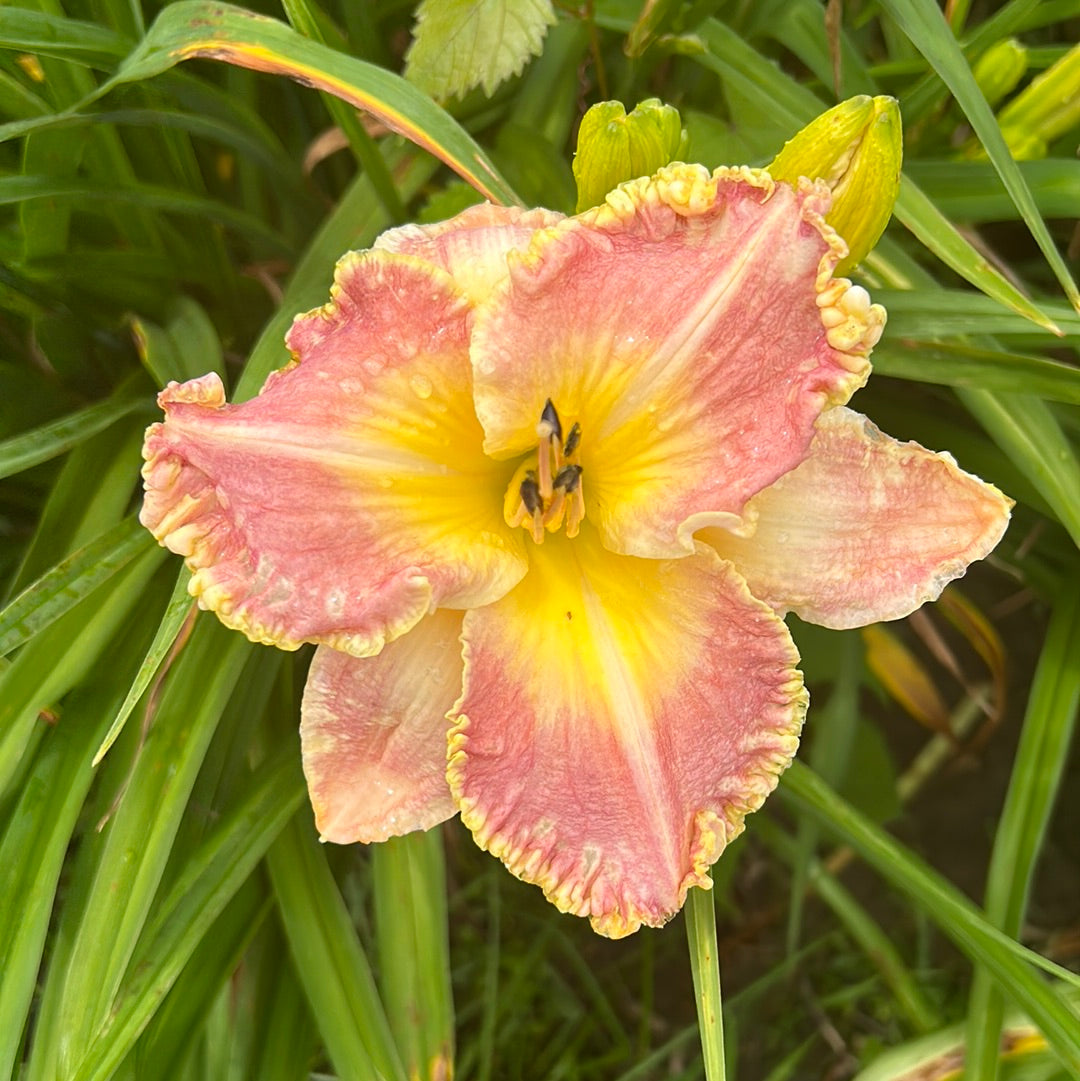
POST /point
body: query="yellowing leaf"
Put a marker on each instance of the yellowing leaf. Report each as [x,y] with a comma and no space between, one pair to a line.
[905,679]
[459,44]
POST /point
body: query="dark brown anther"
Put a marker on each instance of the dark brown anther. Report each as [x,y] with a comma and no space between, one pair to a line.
[573,440]
[568,478]
[530,494]
[550,418]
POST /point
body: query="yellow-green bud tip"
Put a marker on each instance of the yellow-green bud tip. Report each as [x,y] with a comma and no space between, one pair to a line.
[613,147]
[856,147]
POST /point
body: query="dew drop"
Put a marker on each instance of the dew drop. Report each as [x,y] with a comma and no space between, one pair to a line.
[421,386]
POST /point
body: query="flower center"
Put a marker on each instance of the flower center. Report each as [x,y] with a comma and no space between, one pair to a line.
[545,491]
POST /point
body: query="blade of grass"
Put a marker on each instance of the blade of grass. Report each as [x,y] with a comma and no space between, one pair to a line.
[37,836]
[182,1022]
[924,312]
[984,369]
[1040,761]
[216,31]
[329,958]
[90,495]
[1027,430]
[58,591]
[304,18]
[60,657]
[925,25]
[971,191]
[177,612]
[45,34]
[863,928]
[211,877]
[806,793]
[705,969]
[58,436]
[136,847]
[89,193]
[759,79]
[409,878]
[829,754]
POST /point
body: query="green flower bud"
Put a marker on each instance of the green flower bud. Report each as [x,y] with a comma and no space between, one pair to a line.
[856,147]
[1000,68]
[1045,109]
[613,147]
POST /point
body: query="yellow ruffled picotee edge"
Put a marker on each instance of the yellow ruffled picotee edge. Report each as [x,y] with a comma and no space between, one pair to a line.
[853,325]
[713,831]
[188,526]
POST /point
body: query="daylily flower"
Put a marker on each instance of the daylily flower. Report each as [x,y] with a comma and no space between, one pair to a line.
[541,489]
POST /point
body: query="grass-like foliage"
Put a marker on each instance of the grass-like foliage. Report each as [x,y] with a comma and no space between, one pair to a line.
[171,196]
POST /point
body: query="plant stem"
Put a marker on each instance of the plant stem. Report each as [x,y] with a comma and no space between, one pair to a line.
[705,967]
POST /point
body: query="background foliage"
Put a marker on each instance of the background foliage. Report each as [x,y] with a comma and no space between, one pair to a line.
[165,910]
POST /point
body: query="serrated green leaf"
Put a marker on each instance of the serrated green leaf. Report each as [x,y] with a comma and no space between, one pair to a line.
[459,44]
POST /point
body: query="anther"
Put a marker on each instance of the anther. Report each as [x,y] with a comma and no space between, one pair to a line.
[568,478]
[550,427]
[572,440]
[530,494]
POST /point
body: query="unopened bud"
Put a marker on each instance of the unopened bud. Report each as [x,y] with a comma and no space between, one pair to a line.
[613,147]
[856,147]
[1045,109]
[1000,68]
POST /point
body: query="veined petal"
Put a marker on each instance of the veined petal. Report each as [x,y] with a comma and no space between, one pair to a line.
[373,731]
[619,718]
[865,529]
[351,497]
[471,246]
[692,328]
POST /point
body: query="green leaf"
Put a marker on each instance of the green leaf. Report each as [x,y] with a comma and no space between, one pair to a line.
[192,28]
[411,921]
[53,35]
[59,590]
[1027,430]
[806,793]
[180,608]
[459,44]
[765,84]
[985,369]
[1041,760]
[211,877]
[37,446]
[329,958]
[925,25]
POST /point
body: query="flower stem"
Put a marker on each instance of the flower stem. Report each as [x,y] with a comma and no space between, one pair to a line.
[705,967]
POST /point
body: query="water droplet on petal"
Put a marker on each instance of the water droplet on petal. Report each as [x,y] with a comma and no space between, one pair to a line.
[421,386]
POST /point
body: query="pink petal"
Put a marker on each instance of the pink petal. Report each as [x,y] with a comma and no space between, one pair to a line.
[374,729]
[473,245]
[351,497]
[866,529]
[692,328]
[619,719]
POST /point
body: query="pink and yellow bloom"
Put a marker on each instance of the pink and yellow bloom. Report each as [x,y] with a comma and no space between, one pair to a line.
[541,489]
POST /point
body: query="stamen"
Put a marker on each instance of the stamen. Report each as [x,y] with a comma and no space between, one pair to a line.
[573,440]
[545,495]
[550,425]
[530,493]
[575,514]
[568,479]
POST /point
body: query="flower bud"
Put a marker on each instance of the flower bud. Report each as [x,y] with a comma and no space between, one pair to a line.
[1000,68]
[1045,109]
[613,147]
[856,147]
